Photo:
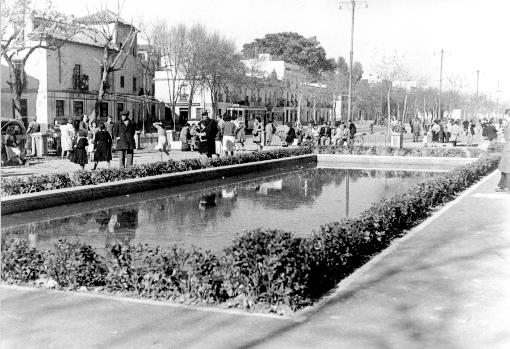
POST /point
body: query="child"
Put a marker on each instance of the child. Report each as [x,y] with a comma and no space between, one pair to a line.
[90,147]
[82,143]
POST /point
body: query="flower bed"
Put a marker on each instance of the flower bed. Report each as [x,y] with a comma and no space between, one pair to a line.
[33,184]
[266,270]
[391,151]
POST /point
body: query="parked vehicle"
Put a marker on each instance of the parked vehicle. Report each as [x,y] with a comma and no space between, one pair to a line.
[14,138]
[54,135]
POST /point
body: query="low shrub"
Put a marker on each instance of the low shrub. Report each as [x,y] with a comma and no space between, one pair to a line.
[37,183]
[268,269]
[466,152]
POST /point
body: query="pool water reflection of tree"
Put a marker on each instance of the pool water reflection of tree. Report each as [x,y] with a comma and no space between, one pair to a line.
[299,201]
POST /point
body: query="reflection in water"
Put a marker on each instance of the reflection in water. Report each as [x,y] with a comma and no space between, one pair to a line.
[299,201]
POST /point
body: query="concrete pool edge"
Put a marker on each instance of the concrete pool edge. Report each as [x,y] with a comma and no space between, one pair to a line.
[401,160]
[39,200]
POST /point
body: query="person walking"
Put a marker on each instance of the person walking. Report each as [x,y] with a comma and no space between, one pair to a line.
[102,146]
[185,134]
[33,127]
[258,130]
[162,140]
[240,135]
[124,134]
[210,130]
[84,124]
[435,131]
[504,163]
[270,130]
[80,153]
[228,131]
[67,136]
[291,135]
[448,134]
[416,129]
[492,133]
[455,133]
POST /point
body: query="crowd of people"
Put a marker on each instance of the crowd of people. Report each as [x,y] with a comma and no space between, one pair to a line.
[450,130]
[83,140]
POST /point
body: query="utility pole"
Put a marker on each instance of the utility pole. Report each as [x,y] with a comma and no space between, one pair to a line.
[477,81]
[351,56]
[440,85]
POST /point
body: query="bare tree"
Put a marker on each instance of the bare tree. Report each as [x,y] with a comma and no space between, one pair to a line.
[117,40]
[194,56]
[25,30]
[222,65]
[154,34]
[171,43]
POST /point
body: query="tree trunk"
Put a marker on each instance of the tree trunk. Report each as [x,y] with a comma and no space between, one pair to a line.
[17,106]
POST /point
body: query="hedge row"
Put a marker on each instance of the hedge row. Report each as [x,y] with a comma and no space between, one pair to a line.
[466,152]
[37,183]
[269,270]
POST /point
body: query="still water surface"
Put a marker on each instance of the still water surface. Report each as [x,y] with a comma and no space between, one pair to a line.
[210,215]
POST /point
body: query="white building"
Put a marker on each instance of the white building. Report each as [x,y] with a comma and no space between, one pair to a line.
[64,83]
[278,90]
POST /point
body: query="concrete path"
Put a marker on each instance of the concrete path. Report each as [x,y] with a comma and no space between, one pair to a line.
[55,164]
[445,285]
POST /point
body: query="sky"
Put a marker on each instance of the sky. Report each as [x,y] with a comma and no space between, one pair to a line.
[473,34]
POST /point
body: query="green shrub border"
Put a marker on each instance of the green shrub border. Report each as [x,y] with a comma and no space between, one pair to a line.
[458,152]
[266,270]
[38,183]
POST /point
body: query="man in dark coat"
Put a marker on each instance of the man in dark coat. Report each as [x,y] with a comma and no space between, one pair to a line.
[124,133]
[211,129]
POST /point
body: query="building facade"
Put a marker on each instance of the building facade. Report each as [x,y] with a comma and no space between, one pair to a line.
[64,83]
[273,90]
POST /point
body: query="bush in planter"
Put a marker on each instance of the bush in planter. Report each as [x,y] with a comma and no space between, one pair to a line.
[32,184]
[267,267]
[74,264]
[270,266]
[21,263]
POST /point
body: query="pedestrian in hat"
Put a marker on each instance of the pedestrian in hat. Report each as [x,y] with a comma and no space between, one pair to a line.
[124,134]
[210,130]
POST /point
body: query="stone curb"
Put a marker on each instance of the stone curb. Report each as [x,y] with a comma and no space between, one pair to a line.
[379,159]
[39,200]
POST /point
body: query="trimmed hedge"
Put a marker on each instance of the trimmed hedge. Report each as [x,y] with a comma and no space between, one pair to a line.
[465,152]
[267,270]
[37,183]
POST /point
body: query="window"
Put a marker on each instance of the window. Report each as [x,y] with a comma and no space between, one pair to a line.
[120,108]
[76,76]
[121,82]
[78,108]
[134,84]
[59,108]
[198,113]
[103,110]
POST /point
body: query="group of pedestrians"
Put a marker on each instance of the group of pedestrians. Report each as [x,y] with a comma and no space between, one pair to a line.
[340,133]
[85,140]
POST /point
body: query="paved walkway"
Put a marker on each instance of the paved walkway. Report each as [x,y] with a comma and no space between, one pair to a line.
[54,164]
[445,285]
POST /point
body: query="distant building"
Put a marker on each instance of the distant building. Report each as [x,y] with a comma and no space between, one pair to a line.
[64,83]
[277,90]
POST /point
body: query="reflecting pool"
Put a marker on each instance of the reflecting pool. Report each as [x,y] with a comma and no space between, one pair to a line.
[210,214]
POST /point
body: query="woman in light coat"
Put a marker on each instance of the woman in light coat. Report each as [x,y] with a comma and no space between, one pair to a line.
[67,137]
[504,163]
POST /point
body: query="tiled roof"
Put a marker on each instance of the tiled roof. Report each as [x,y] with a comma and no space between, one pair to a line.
[102,17]
[65,31]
